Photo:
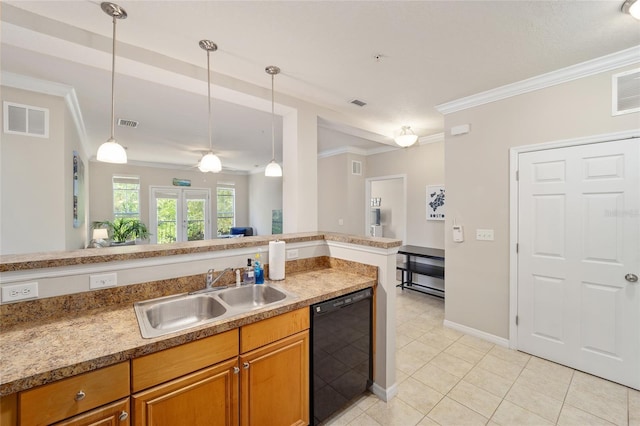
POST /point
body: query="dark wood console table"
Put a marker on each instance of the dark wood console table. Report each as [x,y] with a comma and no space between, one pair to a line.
[410,266]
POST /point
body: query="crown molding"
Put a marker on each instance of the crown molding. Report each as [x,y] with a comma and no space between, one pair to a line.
[437,137]
[22,82]
[595,66]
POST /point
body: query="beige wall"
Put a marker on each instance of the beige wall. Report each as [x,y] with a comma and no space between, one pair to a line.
[75,237]
[265,195]
[423,165]
[477,184]
[35,212]
[100,188]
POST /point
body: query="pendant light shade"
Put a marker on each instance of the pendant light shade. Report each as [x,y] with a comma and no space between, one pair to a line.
[632,7]
[406,137]
[111,151]
[273,169]
[209,162]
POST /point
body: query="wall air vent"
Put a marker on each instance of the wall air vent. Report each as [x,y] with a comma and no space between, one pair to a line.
[626,92]
[26,120]
[358,102]
[127,123]
[356,167]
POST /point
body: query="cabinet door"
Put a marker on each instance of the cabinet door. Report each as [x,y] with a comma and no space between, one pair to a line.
[275,383]
[115,414]
[206,397]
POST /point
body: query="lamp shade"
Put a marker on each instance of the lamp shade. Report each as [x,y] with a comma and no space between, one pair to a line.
[632,7]
[111,152]
[273,169]
[100,234]
[210,163]
[406,137]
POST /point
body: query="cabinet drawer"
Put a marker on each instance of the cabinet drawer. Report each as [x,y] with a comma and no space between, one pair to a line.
[159,367]
[263,332]
[117,413]
[60,400]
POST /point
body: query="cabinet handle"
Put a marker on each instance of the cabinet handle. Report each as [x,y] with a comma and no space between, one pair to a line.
[123,416]
[236,370]
[245,365]
[80,396]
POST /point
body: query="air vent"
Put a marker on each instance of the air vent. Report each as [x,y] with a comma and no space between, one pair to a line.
[356,167]
[127,123]
[358,102]
[626,92]
[26,120]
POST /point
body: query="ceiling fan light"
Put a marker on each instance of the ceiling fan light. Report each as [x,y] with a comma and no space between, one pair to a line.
[632,7]
[406,137]
[210,163]
[111,152]
[273,169]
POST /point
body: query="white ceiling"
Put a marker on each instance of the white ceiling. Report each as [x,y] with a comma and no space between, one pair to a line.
[430,52]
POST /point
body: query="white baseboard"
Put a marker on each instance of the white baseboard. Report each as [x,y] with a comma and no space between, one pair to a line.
[500,341]
[385,394]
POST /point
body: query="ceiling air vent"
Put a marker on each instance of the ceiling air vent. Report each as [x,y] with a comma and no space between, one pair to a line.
[626,92]
[26,120]
[127,123]
[358,102]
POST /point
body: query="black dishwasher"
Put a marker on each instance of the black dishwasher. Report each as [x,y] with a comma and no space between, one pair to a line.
[341,348]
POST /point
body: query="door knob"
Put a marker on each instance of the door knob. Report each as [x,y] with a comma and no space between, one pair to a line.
[632,278]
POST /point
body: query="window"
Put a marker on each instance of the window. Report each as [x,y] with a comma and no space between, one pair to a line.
[226,202]
[178,215]
[126,197]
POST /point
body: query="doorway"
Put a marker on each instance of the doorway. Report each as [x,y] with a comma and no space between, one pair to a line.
[387,195]
[577,299]
[179,214]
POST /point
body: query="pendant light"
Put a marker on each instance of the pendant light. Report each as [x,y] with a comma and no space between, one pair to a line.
[406,137]
[273,169]
[111,151]
[209,162]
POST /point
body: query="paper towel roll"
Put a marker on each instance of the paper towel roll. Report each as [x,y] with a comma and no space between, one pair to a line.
[277,255]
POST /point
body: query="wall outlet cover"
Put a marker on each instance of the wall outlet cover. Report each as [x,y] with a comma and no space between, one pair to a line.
[22,291]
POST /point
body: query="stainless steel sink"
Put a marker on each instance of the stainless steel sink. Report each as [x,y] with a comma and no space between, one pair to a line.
[169,314]
[251,296]
[174,313]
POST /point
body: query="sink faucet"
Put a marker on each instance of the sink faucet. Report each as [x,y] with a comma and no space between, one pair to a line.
[210,281]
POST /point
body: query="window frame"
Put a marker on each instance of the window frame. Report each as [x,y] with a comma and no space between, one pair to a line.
[134,180]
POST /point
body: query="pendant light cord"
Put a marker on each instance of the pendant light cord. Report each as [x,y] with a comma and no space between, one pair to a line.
[113,80]
[209,98]
[273,137]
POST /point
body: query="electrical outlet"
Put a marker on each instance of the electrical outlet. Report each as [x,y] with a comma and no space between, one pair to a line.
[484,234]
[103,280]
[292,254]
[23,291]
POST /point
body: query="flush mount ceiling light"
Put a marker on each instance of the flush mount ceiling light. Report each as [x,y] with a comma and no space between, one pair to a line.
[406,137]
[111,151]
[209,162]
[632,7]
[273,169]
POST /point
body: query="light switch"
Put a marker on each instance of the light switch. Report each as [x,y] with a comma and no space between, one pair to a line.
[484,234]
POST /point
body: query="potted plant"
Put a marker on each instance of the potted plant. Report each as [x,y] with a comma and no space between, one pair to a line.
[123,230]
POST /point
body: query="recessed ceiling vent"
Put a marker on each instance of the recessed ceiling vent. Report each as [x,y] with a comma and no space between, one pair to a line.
[626,92]
[127,123]
[358,102]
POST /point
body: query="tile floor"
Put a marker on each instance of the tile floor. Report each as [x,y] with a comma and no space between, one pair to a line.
[448,378]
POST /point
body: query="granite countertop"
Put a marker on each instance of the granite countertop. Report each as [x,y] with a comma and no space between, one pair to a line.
[23,262]
[37,353]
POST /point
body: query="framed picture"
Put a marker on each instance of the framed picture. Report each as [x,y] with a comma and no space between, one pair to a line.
[435,202]
[78,190]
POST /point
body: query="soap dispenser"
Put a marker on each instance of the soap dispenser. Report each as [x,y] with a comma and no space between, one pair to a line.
[249,274]
[259,272]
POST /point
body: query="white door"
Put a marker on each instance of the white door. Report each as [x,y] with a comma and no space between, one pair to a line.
[179,214]
[579,236]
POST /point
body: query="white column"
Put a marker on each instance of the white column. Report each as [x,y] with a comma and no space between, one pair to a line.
[300,172]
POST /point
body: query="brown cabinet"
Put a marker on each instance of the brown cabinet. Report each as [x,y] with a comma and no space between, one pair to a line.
[274,387]
[69,397]
[114,414]
[206,397]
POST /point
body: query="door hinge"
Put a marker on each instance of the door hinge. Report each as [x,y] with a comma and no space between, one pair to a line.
[517,174]
[516,320]
[517,247]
